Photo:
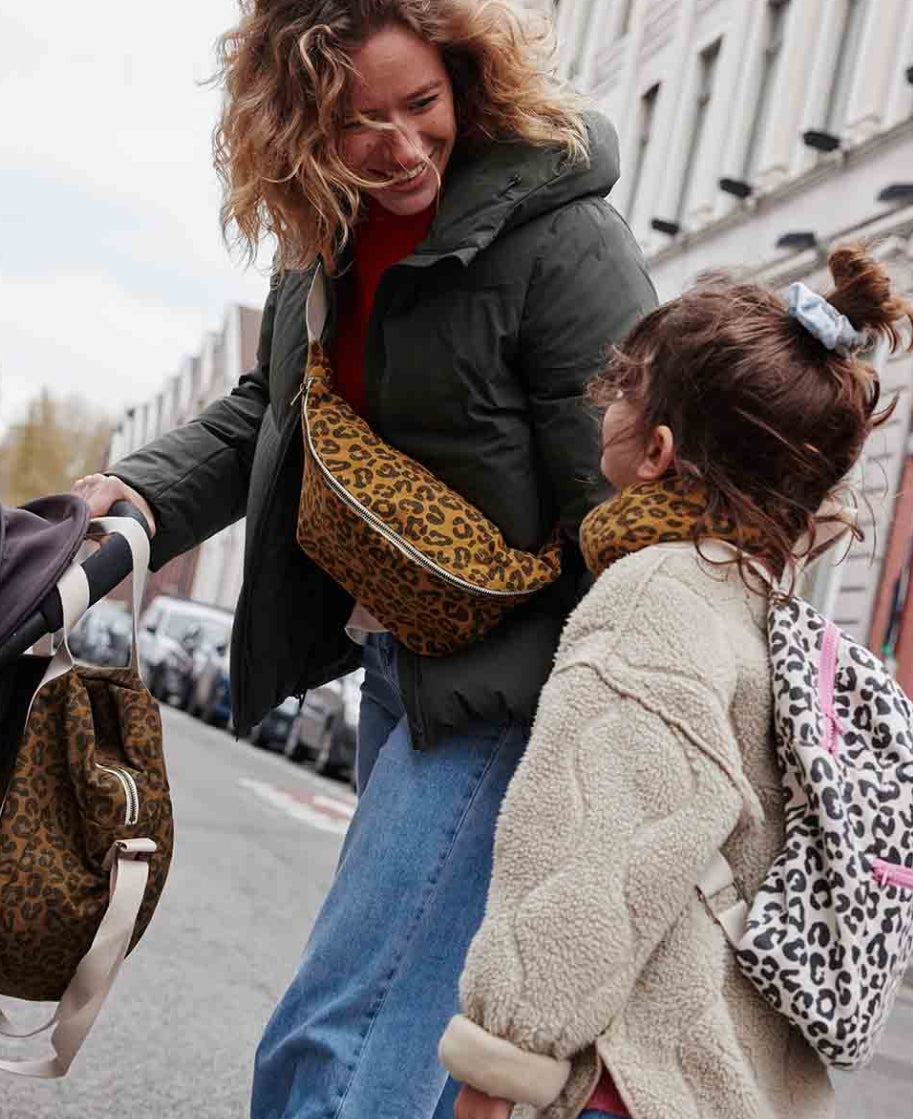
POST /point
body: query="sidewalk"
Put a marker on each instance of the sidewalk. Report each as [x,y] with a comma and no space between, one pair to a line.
[883,1090]
[897,1044]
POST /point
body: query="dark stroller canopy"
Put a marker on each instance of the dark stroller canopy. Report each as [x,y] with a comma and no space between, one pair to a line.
[38,542]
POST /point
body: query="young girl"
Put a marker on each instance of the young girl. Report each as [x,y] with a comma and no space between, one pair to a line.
[598,983]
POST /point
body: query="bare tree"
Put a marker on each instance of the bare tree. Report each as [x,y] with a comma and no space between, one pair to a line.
[57,441]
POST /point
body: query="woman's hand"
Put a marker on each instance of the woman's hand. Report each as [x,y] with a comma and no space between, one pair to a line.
[100,491]
[473,1104]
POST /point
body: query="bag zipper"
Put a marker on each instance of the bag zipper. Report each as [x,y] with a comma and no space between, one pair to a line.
[131,792]
[371,519]
[892,874]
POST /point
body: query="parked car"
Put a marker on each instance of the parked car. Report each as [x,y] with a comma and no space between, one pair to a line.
[210,690]
[273,731]
[103,634]
[325,729]
[172,631]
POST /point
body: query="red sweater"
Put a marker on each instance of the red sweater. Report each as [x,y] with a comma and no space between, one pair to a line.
[380,241]
[606,1097]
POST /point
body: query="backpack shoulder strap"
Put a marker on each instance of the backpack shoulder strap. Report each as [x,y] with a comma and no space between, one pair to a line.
[732,917]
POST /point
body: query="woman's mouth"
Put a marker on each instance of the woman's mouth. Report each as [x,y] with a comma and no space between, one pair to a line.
[410,180]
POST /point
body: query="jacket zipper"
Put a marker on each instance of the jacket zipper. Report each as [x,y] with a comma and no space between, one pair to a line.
[131,792]
[891,874]
[408,550]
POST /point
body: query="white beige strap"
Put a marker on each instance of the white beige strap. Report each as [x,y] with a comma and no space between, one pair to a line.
[95,975]
[718,876]
[73,588]
[138,542]
[317,306]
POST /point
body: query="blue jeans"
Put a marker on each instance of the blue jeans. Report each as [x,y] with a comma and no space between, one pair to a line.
[597,1115]
[355,1035]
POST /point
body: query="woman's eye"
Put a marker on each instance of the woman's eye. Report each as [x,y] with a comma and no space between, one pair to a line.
[423,103]
[363,120]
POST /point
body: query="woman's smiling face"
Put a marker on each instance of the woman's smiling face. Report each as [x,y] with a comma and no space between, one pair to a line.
[400,81]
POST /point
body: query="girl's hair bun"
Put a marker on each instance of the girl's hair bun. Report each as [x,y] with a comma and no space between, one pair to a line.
[863,293]
[767,418]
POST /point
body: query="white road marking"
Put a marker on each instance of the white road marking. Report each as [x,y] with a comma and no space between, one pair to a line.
[322,813]
[344,808]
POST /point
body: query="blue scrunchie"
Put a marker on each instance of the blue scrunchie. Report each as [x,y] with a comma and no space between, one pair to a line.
[823,320]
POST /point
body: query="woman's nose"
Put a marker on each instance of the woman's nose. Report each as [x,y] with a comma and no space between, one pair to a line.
[403,145]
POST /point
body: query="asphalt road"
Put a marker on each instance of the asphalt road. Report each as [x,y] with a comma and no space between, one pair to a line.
[257,840]
[256,844]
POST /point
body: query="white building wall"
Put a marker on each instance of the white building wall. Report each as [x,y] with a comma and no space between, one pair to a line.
[794,188]
[231,344]
[857,579]
[220,561]
[210,371]
[201,379]
[617,50]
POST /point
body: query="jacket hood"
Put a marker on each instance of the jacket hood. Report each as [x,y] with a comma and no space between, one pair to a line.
[509,185]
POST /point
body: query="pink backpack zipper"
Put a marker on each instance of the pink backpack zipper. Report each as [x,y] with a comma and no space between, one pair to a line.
[891,874]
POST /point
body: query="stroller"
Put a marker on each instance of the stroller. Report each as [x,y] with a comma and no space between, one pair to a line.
[85,811]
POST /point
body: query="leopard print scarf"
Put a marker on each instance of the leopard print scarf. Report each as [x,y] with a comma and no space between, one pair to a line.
[644,514]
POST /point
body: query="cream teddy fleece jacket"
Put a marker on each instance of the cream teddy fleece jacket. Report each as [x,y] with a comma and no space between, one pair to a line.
[650,752]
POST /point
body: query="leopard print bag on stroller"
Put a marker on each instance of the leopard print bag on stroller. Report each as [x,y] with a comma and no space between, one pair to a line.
[85,819]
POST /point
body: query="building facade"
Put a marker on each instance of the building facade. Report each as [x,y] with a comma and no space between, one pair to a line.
[212,572]
[755,135]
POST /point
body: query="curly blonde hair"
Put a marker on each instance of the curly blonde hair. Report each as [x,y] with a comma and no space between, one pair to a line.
[286,69]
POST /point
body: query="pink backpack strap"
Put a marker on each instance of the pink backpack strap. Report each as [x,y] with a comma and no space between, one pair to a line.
[827,674]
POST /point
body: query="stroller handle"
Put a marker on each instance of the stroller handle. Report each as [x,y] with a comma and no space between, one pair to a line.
[104,569]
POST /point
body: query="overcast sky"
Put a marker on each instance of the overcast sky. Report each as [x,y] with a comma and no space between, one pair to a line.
[111,260]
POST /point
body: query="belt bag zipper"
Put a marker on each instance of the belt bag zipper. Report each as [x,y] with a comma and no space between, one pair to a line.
[408,550]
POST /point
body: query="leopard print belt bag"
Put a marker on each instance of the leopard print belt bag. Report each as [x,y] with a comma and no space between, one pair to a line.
[425,562]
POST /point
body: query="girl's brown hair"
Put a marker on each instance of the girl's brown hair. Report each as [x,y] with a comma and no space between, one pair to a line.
[766,419]
[286,69]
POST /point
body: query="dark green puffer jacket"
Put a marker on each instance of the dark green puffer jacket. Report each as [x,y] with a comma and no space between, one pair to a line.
[479,347]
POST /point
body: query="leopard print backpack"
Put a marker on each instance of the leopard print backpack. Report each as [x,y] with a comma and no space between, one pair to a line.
[85,829]
[828,937]
[428,565]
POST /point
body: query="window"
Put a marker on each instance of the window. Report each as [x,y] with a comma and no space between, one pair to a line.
[775,22]
[707,72]
[585,42]
[646,113]
[844,66]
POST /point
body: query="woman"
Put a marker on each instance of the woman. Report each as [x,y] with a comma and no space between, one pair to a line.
[438,209]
